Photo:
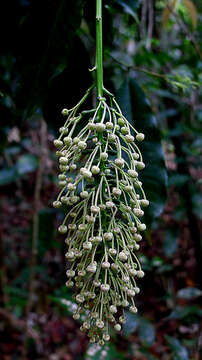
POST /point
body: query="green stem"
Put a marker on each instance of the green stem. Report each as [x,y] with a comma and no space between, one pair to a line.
[99,49]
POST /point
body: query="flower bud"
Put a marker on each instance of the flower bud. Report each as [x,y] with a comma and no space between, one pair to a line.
[108,236]
[95,170]
[105,287]
[57,204]
[119,162]
[133,309]
[67,140]
[109,125]
[62,229]
[140,273]
[58,143]
[113,309]
[140,137]
[100,127]
[82,145]
[117,327]
[123,256]
[103,156]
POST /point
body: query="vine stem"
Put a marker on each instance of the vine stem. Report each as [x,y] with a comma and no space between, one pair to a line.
[99,50]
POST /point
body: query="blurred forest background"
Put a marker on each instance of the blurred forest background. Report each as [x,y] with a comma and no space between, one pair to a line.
[153,62]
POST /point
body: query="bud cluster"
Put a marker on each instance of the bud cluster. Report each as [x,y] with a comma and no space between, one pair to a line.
[103,199]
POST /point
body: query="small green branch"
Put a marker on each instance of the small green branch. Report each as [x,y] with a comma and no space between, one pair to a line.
[99,49]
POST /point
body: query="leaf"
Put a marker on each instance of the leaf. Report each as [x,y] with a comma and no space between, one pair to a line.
[131,324]
[170,242]
[146,332]
[130,7]
[167,12]
[26,164]
[137,110]
[191,11]
[106,352]
[189,293]
[183,312]
[8,175]
[179,351]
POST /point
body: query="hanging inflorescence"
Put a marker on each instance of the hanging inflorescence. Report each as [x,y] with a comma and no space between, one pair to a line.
[103,199]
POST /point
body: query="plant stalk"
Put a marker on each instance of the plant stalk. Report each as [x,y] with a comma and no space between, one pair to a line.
[99,50]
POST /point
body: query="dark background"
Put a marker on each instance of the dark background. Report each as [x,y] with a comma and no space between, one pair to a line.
[151,53]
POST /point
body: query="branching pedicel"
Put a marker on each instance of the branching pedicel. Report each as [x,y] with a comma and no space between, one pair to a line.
[103,197]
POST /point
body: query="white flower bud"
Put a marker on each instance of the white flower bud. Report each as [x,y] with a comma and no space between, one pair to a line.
[141,227]
[100,324]
[67,140]
[122,319]
[82,227]
[96,283]
[103,156]
[140,165]
[128,188]
[117,327]
[82,273]
[129,138]
[133,272]
[65,112]
[138,212]
[109,204]
[102,206]
[100,127]
[106,337]
[113,309]
[91,268]
[108,236]
[70,273]
[111,137]
[117,230]
[62,183]
[63,160]
[136,246]
[57,204]
[90,219]
[76,316]
[116,192]
[69,255]
[95,170]
[137,290]
[86,173]
[144,202]
[140,273]
[105,265]
[125,303]
[109,125]
[114,267]
[82,145]
[119,162]
[121,121]
[112,252]
[76,140]
[84,194]
[58,143]
[62,229]
[105,287]
[133,309]
[69,284]
[73,167]
[123,256]
[130,292]
[140,137]
[95,209]
[62,177]
[91,126]
[80,298]
[132,173]
[95,140]
[98,239]
[125,130]
[71,187]
[87,245]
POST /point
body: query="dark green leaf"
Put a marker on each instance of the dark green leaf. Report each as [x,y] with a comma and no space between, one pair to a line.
[182,312]
[131,323]
[189,293]
[26,164]
[146,332]
[179,351]
[136,108]
[7,176]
